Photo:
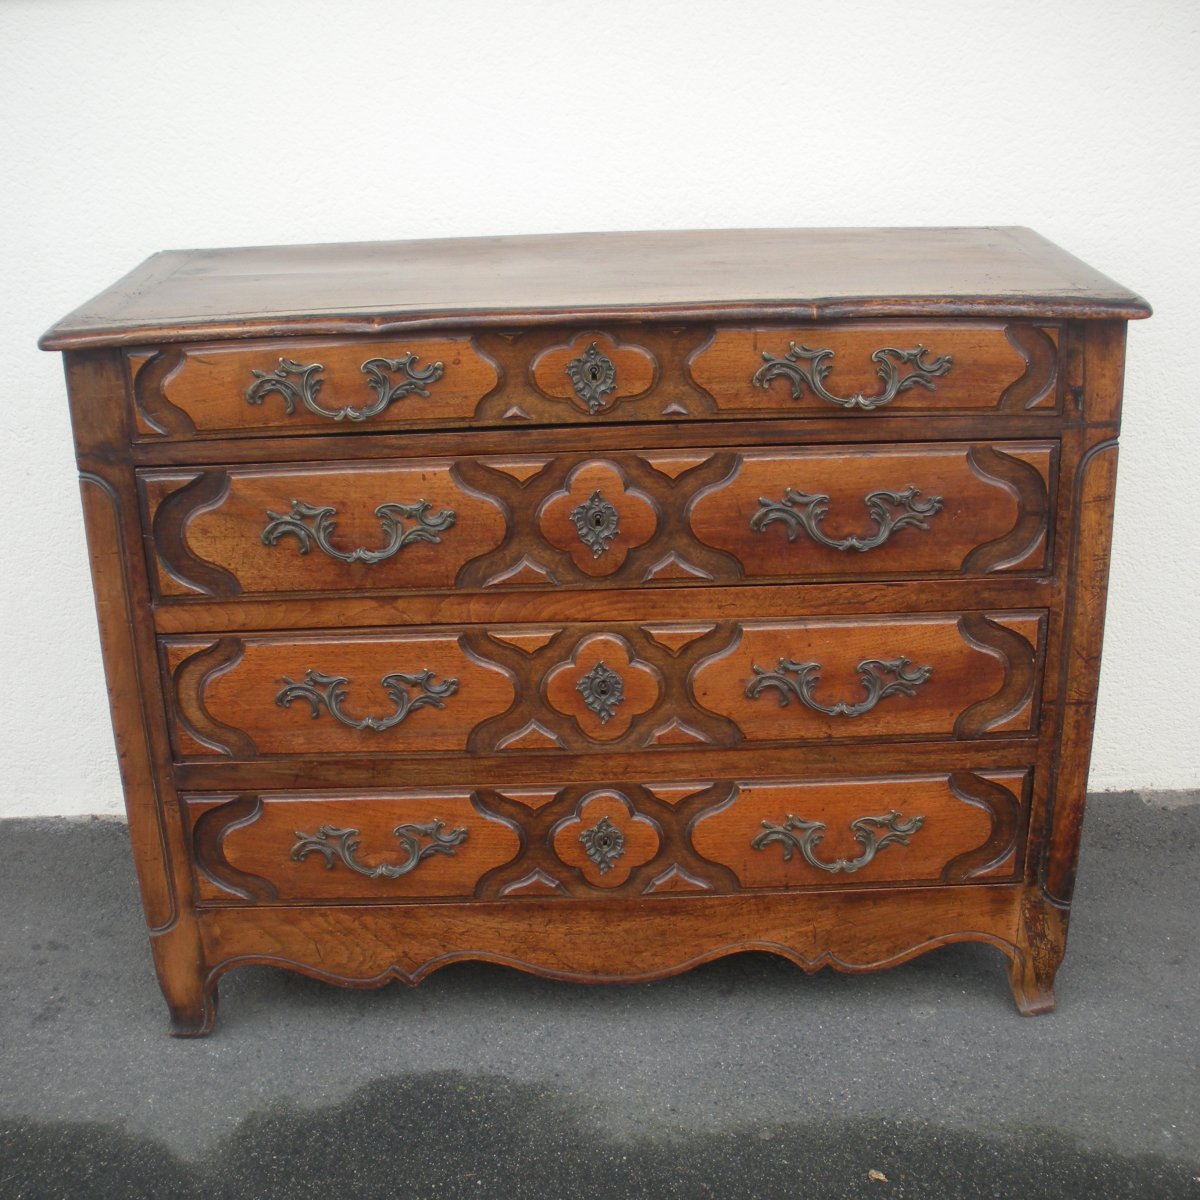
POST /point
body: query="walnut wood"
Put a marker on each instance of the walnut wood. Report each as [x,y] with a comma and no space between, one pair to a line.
[994,366]
[249,854]
[522,380]
[506,282]
[680,518]
[202,624]
[964,820]
[204,391]
[519,688]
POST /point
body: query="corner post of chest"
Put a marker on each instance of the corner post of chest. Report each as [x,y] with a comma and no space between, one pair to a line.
[100,414]
[1094,363]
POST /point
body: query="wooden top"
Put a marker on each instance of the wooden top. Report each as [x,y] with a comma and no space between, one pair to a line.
[789,274]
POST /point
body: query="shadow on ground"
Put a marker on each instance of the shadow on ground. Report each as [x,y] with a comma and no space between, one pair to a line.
[447,1135]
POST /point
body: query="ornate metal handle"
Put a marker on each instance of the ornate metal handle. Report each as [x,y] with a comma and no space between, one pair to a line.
[297,381]
[593,375]
[871,671]
[329,691]
[341,845]
[310,524]
[803,365]
[800,510]
[866,833]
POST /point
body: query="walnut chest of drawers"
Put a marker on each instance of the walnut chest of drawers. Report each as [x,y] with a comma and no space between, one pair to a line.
[601,604]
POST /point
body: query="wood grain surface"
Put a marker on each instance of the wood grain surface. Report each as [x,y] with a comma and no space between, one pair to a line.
[691,664]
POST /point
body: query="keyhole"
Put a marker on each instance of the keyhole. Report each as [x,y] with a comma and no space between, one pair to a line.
[598,521]
[603,687]
[606,843]
[594,373]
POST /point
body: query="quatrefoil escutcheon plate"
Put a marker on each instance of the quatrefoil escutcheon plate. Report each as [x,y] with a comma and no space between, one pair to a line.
[602,690]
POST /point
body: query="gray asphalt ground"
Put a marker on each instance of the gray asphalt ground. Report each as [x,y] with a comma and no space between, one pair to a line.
[743,1078]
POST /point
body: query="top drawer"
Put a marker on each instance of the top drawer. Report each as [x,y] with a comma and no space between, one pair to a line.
[561,376]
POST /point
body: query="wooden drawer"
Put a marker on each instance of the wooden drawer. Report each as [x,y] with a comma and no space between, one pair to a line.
[598,688]
[609,840]
[347,846]
[309,386]
[593,375]
[620,520]
[891,368]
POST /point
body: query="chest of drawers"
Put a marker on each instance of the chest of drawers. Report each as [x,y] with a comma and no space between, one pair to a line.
[599,605]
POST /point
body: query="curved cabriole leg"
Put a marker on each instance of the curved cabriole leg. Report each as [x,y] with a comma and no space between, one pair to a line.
[1033,993]
[188,986]
[193,1010]
[1041,941]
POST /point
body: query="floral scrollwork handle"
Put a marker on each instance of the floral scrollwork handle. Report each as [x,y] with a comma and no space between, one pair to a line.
[889,511]
[341,845]
[797,834]
[314,525]
[302,382]
[329,692]
[803,366]
[801,679]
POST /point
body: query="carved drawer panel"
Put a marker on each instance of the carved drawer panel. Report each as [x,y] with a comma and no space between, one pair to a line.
[892,368]
[352,846]
[588,375]
[620,520]
[323,385]
[661,838]
[909,829]
[596,688]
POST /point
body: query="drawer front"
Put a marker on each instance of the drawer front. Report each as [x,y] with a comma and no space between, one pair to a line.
[306,386]
[599,688]
[893,368]
[595,840]
[593,375]
[350,846]
[620,520]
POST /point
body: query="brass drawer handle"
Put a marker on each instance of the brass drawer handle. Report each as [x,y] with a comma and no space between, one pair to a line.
[800,510]
[341,845]
[871,671]
[329,691]
[803,365]
[866,832]
[299,381]
[314,525]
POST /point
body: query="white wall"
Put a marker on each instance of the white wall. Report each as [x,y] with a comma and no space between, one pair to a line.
[128,126]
